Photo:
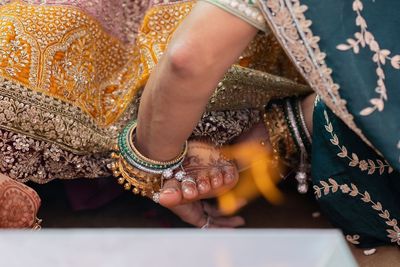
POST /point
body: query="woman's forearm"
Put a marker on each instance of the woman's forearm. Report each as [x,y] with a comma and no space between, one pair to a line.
[207,43]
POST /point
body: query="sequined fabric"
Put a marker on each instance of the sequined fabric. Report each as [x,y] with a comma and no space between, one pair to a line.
[24,158]
[121,18]
[67,81]
[221,127]
[71,73]
[57,58]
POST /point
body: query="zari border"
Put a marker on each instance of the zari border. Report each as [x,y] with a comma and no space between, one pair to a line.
[286,18]
[45,118]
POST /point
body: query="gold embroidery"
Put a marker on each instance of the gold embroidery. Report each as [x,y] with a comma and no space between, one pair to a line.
[287,20]
[27,159]
[121,18]
[364,165]
[281,139]
[41,117]
[63,53]
[63,79]
[56,58]
[221,127]
[67,87]
[353,239]
[247,88]
[366,38]
[352,190]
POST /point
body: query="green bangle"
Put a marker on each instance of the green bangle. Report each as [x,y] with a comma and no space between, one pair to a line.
[136,159]
[130,156]
[130,140]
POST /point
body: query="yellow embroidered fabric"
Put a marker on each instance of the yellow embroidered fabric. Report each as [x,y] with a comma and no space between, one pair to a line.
[63,53]
[63,78]
[68,84]
[66,80]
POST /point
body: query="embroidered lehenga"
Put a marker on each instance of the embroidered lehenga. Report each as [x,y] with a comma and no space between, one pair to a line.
[69,84]
[65,73]
[71,73]
[63,89]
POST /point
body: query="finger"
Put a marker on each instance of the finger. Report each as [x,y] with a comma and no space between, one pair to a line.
[217,178]
[191,213]
[230,174]
[212,210]
[228,222]
[203,183]
[171,194]
[189,188]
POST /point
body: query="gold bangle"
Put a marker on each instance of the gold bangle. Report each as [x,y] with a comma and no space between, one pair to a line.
[132,178]
[146,187]
[141,175]
[281,140]
[144,158]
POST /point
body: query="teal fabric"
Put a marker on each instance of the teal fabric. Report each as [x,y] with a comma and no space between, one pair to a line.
[334,22]
[353,213]
[357,189]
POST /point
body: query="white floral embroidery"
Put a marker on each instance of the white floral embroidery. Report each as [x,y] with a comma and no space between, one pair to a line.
[332,187]
[366,39]
[288,21]
[364,165]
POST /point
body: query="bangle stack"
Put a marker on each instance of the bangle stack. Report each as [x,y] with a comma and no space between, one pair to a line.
[281,140]
[289,136]
[138,173]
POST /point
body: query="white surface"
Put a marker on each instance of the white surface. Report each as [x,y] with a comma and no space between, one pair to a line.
[174,248]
